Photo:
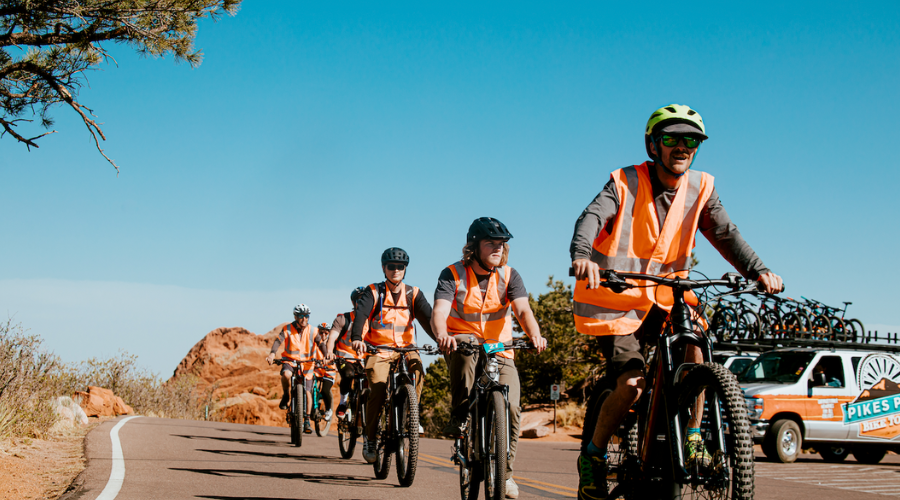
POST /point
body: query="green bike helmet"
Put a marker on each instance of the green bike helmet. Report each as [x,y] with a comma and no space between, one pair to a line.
[674,119]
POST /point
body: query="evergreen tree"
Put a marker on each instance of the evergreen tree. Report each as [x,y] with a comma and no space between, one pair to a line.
[46,46]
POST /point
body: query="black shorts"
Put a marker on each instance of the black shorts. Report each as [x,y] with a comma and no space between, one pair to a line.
[623,352]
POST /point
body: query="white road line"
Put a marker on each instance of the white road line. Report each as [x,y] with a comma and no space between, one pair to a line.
[117,474]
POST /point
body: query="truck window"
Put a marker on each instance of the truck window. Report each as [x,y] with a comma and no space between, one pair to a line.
[738,365]
[832,368]
[784,367]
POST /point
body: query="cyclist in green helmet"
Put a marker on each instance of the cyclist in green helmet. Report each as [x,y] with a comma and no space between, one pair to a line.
[645,220]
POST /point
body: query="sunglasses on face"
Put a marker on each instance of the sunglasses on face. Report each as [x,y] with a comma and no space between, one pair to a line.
[670,141]
[302,315]
[395,267]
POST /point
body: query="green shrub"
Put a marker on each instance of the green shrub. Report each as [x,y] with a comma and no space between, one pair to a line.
[434,407]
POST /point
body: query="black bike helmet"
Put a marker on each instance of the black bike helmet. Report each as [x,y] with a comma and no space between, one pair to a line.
[487,228]
[395,254]
[354,295]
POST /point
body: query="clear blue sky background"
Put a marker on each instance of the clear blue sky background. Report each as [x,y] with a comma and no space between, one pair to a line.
[313,136]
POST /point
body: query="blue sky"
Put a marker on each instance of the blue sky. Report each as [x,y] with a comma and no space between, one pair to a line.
[313,136]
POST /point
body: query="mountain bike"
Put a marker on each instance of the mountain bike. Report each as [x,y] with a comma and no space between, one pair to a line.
[646,455]
[842,328]
[398,420]
[297,408]
[482,451]
[317,415]
[353,421]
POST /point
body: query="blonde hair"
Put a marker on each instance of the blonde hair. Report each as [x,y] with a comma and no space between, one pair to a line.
[471,250]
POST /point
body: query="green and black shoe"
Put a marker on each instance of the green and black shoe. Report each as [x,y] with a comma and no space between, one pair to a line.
[592,472]
[695,452]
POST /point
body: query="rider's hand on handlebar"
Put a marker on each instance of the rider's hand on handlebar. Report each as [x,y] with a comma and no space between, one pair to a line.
[270,358]
[586,269]
[540,343]
[446,343]
[772,282]
[359,346]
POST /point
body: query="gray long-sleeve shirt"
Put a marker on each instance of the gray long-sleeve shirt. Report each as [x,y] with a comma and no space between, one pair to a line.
[714,223]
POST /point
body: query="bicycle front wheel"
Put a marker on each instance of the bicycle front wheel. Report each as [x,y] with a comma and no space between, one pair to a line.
[323,425]
[496,435]
[298,398]
[406,409]
[720,465]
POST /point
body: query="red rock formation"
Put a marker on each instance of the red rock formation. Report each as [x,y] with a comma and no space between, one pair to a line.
[100,402]
[247,389]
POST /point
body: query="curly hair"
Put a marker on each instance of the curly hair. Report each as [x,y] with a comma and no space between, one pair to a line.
[469,251]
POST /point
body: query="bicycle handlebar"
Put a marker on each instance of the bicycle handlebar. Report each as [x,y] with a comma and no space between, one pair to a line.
[427,349]
[468,347]
[615,280]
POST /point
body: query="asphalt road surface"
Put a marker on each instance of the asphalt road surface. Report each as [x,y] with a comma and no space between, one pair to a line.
[182,459]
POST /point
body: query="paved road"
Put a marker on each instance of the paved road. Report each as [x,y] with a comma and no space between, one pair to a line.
[178,459]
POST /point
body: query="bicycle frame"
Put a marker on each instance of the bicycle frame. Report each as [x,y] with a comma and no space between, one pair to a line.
[660,416]
[487,380]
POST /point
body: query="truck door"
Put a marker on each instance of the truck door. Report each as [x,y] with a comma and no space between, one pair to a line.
[828,387]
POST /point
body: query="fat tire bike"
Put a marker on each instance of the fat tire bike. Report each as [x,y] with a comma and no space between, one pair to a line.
[351,424]
[297,408]
[647,458]
[398,419]
[481,453]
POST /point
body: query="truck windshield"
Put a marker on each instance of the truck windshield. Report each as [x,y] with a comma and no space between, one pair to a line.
[780,367]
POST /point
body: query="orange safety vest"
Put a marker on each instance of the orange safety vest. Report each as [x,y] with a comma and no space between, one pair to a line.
[300,346]
[488,318]
[637,244]
[343,347]
[390,323]
[329,371]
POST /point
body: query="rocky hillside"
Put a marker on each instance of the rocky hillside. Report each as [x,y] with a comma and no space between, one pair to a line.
[248,389]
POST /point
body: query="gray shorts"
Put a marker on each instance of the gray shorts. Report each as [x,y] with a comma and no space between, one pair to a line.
[623,352]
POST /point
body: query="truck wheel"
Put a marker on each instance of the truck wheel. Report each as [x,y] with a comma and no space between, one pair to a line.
[833,454]
[869,455]
[785,441]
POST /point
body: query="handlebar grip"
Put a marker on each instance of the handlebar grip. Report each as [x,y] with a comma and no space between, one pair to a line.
[571,271]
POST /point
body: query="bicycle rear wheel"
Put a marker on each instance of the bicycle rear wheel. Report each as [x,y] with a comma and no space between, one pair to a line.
[298,399]
[382,462]
[727,471]
[622,444]
[496,435]
[856,329]
[406,409]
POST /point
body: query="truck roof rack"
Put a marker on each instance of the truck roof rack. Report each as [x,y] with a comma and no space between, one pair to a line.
[871,342]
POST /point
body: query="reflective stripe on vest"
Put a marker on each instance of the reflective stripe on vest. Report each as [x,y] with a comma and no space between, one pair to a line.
[637,243]
[392,325]
[343,347]
[487,317]
[298,346]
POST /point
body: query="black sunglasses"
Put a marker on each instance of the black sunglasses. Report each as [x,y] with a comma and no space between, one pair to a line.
[395,267]
[302,315]
[670,141]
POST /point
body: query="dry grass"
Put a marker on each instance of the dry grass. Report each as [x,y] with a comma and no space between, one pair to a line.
[571,414]
[30,377]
